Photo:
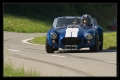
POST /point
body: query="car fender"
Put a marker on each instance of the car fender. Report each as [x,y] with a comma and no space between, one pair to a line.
[48,36]
[100,30]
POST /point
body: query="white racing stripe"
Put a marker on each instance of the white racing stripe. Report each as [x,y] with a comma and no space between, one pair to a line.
[71,32]
[75,32]
[68,32]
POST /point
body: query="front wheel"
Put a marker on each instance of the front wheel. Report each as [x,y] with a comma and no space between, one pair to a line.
[49,49]
[95,47]
[101,42]
[56,49]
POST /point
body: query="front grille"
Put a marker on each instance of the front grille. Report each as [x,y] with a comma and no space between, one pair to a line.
[71,41]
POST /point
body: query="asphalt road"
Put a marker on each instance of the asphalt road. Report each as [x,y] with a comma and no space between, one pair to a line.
[75,63]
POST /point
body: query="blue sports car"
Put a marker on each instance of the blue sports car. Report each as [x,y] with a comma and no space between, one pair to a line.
[74,32]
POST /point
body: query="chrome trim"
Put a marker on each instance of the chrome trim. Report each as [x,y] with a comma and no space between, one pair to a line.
[88,34]
[53,33]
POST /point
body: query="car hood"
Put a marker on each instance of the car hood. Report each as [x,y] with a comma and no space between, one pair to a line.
[76,32]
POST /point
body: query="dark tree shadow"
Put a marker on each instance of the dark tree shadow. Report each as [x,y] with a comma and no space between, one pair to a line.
[111,48]
[109,31]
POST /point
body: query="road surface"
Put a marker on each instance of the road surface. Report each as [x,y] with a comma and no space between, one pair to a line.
[62,63]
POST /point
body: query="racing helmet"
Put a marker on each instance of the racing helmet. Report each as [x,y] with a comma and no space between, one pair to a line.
[86,19]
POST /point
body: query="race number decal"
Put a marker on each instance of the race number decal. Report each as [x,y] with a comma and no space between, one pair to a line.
[71,32]
[68,32]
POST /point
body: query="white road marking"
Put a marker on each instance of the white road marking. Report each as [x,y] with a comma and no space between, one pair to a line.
[65,56]
[61,56]
[55,55]
[110,62]
[26,41]
[14,50]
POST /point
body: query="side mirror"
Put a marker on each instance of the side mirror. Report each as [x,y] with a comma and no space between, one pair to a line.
[96,27]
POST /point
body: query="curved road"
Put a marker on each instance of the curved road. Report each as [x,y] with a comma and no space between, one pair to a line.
[75,63]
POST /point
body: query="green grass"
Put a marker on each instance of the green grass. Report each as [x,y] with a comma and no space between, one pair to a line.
[109,41]
[30,25]
[38,40]
[24,24]
[11,70]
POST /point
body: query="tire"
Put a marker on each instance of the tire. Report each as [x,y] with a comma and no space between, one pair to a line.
[95,47]
[56,49]
[101,40]
[49,49]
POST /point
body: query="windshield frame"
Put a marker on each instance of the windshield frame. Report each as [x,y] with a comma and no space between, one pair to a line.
[70,17]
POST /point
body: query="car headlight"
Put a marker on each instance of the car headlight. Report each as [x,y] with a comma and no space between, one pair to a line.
[53,35]
[88,36]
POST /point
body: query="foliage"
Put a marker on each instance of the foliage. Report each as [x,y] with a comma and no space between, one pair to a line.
[103,12]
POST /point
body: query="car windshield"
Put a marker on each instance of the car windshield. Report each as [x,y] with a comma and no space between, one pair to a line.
[68,21]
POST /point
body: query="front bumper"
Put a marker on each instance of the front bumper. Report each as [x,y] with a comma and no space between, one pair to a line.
[82,44]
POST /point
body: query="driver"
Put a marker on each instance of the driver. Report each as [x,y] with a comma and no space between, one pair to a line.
[86,22]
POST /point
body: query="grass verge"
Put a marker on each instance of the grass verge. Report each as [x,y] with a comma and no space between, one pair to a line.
[109,41]
[28,25]
[10,70]
[38,40]
[24,24]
